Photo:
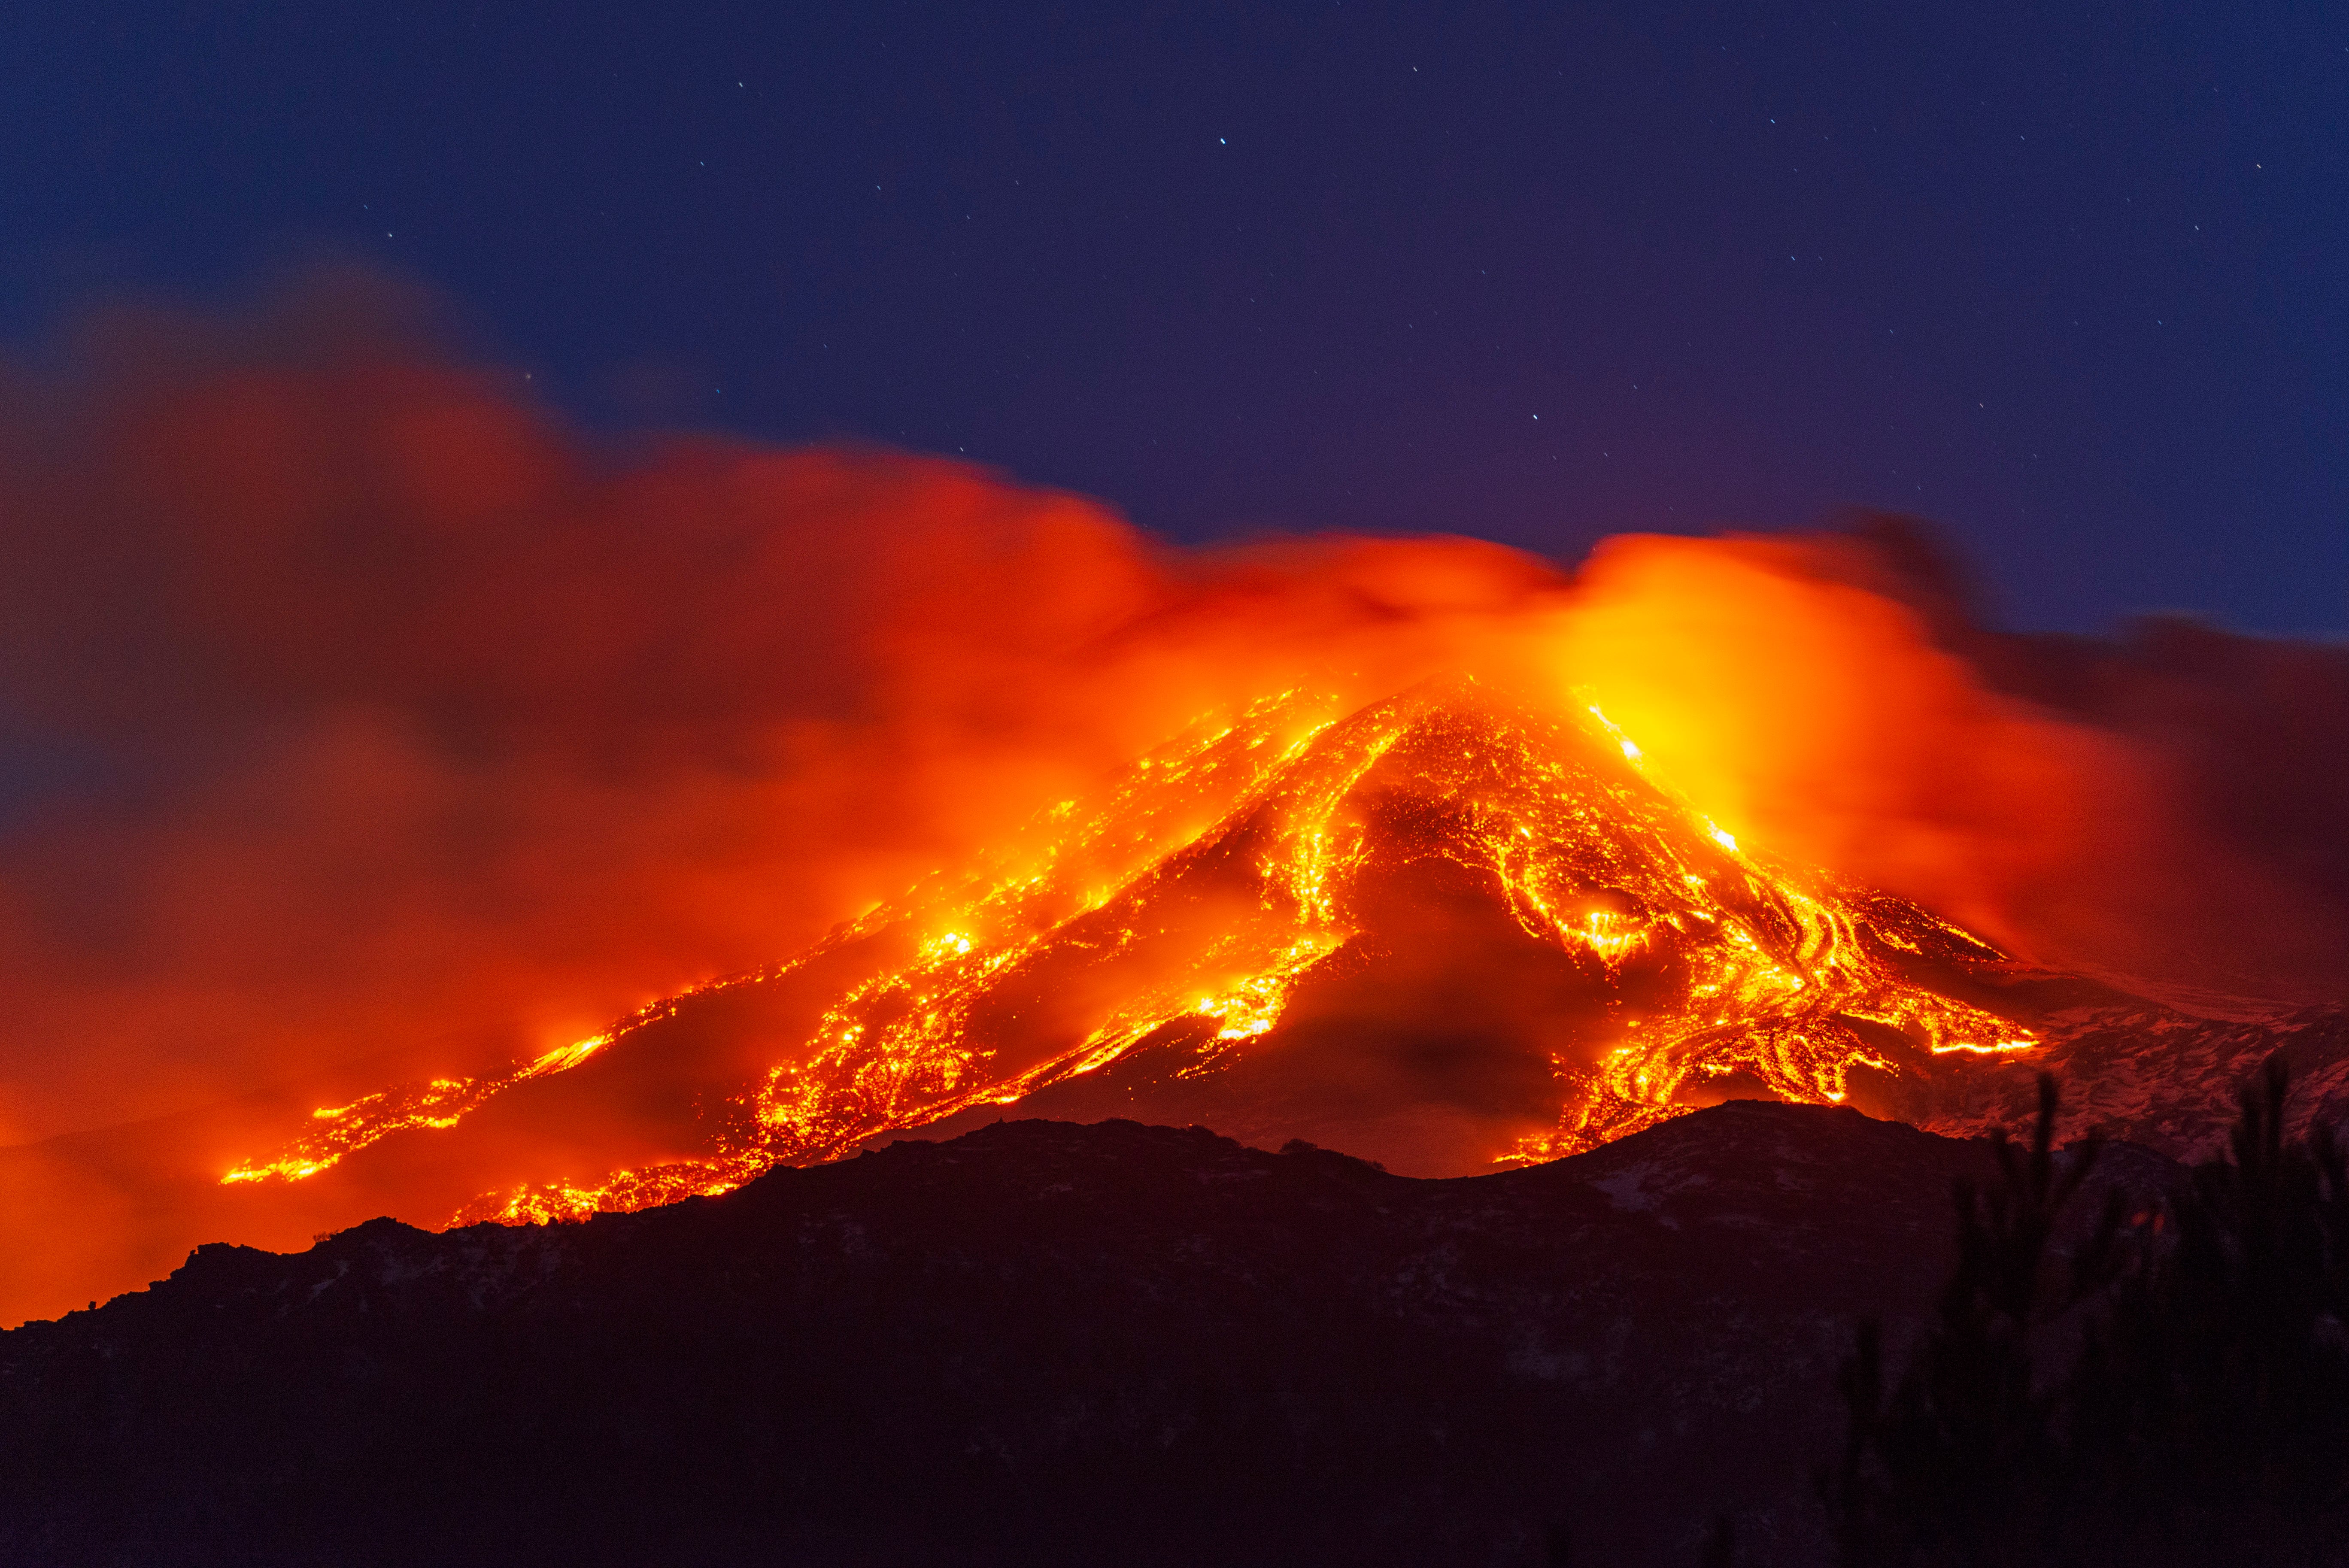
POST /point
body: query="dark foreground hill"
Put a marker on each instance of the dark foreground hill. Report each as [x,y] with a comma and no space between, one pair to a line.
[1037,1343]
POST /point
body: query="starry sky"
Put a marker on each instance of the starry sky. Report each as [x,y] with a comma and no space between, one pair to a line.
[2071,281]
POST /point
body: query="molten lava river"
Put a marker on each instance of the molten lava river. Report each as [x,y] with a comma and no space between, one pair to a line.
[1448,930]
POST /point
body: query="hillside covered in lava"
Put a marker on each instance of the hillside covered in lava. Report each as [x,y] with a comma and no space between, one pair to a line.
[1447,929]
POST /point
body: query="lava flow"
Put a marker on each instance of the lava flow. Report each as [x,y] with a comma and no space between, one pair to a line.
[1229,923]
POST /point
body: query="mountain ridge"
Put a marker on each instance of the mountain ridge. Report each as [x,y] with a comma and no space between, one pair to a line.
[1038,1342]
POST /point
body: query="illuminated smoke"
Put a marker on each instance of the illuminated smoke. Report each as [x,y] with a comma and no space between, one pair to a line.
[2171,805]
[405,736]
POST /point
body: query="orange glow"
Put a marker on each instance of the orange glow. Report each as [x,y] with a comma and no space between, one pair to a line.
[1815,716]
[440,1103]
[1753,968]
[444,735]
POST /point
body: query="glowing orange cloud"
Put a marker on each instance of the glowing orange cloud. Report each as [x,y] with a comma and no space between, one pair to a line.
[413,737]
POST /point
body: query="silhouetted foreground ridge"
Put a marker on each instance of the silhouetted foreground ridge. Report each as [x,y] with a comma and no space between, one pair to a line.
[1037,1343]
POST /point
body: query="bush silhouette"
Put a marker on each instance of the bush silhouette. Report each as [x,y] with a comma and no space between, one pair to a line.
[2175,1391]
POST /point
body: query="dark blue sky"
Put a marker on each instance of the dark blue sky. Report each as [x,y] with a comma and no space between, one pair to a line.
[2072,281]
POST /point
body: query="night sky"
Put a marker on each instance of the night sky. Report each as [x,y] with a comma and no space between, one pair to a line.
[2069,281]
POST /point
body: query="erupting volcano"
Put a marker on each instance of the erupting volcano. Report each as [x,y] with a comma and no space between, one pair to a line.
[1454,928]
[1223,837]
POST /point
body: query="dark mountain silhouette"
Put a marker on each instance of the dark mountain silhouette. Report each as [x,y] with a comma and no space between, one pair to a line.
[1036,1343]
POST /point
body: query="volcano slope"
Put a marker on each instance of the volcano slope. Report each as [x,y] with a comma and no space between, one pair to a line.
[1446,930]
[1036,1343]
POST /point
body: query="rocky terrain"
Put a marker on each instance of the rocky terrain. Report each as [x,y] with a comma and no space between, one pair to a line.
[2162,1078]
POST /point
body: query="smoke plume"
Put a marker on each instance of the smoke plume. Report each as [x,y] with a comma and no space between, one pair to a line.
[365,722]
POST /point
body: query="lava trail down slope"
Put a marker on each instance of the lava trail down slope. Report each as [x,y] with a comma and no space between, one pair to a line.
[1446,930]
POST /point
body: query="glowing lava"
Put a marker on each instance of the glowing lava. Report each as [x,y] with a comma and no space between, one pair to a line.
[1175,925]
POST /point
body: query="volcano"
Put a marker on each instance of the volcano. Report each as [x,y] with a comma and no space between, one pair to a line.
[1458,932]
[1451,929]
